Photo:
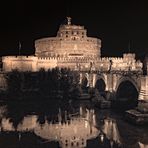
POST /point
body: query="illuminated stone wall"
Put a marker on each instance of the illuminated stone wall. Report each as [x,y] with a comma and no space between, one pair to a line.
[46,63]
[27,63]
[144,88]
[70,48]
[22,63]
[125,63]
[71,41]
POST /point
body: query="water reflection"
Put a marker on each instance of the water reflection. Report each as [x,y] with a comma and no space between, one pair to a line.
[85,127]
[74,131]
[110,129]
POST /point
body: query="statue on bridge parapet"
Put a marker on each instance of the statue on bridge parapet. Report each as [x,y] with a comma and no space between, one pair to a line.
[78,66]
[92,67]
[110,66]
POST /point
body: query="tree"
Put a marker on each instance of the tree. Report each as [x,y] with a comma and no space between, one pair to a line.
[14,82]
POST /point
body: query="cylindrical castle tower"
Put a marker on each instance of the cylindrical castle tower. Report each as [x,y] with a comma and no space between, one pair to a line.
[71,41]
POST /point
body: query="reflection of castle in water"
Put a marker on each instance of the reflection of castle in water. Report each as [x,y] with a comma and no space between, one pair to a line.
[73,132]
[111,131]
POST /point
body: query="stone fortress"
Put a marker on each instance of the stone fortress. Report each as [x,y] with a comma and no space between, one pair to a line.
[71,48]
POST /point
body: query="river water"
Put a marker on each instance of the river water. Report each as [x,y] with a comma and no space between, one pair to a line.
[66,124]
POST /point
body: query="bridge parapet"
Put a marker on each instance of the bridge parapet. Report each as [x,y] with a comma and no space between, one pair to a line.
[125,63]
[144,88]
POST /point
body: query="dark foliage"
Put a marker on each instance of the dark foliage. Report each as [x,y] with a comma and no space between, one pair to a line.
[55,83]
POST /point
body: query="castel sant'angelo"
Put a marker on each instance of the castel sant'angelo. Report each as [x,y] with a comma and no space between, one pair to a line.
[71,48]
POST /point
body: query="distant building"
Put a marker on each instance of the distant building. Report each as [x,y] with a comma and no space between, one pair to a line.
[71,48]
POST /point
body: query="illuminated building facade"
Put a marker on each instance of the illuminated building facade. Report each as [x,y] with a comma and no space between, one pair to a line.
[71,48]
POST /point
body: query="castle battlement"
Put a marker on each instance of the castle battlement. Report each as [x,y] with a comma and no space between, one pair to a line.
[19,58]
[47,58]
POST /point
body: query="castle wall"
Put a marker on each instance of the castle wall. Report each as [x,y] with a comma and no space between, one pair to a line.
[27,63]
[33,63]
[55,47]
[21,63]
[46,63]
[71,41]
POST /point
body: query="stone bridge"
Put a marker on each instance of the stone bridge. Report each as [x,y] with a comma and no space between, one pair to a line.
[122,84]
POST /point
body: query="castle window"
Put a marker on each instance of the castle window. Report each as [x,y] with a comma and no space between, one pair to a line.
[75,33]
[66,36]
[66,32]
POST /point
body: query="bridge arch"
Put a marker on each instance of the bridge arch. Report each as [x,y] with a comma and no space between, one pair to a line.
[127,92]
[85,81]
[100,85]
[122,79]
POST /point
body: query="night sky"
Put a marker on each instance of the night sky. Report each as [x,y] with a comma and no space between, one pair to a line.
[116,23]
